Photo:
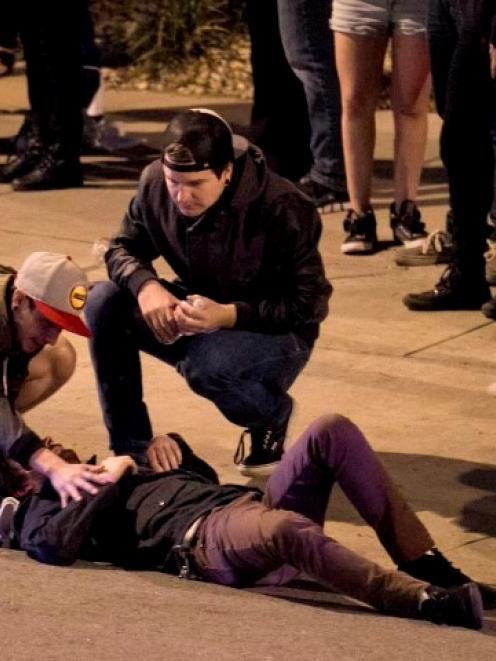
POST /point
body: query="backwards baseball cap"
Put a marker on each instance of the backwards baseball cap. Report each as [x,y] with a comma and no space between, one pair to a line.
[200,139]
[58,287]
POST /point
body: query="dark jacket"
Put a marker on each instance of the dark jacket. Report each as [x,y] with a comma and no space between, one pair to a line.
[134,523]
[17,440]
[257,247]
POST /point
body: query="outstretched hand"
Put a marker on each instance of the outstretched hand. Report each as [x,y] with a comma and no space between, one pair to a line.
[116,467]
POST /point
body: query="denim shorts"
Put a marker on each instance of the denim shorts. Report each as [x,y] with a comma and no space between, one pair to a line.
[379,17]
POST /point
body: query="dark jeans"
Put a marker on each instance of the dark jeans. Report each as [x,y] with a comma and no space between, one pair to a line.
[53,68]
[246,375]
[465,99]
[243,542]
[309,47]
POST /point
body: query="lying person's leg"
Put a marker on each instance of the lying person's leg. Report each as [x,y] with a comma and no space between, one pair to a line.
[332,450]
[245,540]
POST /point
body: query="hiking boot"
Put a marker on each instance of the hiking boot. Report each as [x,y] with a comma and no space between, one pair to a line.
[50,173]
[322,195]
[434,568]
[407,225]
[437,248]
[361,236]
[8,508]
[459,607]
[267,448]
[450,293]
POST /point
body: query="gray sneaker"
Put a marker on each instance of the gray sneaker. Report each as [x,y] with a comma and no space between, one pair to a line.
[437,248]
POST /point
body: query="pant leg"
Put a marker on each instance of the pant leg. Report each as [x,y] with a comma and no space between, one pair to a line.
[239,543]
[53,67]
[118,335]
[245,374]
[309,46]
[466,148]
[332,450]
[275,89]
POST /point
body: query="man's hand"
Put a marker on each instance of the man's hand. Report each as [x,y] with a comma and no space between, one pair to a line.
[198,314]
[68,479]
[116,467]
[164,454]
[157,306]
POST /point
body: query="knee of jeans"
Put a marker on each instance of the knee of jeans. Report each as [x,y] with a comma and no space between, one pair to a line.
[102,298]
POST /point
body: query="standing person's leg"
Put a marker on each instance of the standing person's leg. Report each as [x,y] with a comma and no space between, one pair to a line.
[333,450]
[466,152]
[359,60]
[275,90]
[53,62]
[410,93]
[308,43]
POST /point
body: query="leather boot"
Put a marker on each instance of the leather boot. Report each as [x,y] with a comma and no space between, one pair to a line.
[51,172]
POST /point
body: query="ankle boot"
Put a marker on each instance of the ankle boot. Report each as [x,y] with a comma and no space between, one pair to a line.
[52,172]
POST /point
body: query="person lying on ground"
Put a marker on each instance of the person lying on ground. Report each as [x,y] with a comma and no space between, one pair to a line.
[236,535]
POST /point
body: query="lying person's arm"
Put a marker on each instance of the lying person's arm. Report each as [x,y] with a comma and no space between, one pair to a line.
[55,535]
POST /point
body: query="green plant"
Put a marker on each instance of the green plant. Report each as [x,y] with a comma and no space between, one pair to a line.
[164,33]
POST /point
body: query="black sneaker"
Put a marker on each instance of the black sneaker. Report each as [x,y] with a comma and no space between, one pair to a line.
[361,236]
[322,195]
[407,225]
[450,293]
[489,309]
[459,607]
[267,448]
[20,165]
[434,568]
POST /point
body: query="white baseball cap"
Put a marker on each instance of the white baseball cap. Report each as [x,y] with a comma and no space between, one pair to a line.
[58,287]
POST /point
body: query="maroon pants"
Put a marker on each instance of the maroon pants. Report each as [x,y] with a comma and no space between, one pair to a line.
[245,541]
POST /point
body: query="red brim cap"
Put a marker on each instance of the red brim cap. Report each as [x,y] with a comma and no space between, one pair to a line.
[69,322]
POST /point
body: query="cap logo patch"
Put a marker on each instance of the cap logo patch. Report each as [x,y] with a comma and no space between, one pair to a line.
[77,297]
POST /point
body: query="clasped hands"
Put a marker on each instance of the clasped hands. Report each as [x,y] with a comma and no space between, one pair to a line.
[170,318]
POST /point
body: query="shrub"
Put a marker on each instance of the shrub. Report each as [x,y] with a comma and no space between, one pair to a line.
[154,34]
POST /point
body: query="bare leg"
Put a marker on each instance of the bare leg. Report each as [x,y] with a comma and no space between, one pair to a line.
[410,90]
[359,60]
[48,371]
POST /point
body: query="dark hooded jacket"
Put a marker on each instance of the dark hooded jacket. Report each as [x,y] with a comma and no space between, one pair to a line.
[256,247]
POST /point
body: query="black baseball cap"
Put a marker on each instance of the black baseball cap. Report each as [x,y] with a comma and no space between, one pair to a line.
[200,139]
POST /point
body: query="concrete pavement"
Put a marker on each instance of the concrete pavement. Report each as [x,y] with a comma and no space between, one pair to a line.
[415,382]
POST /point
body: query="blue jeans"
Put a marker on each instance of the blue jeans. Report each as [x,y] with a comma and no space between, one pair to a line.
[248,541]
[308,43]
[246,375]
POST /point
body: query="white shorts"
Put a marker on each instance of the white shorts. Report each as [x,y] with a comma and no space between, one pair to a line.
[379,17]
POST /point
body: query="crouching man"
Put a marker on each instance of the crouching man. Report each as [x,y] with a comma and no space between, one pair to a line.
[237,536]
[46,296]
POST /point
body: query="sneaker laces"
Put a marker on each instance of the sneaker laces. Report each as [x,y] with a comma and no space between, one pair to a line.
[410,217]
[436,242]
